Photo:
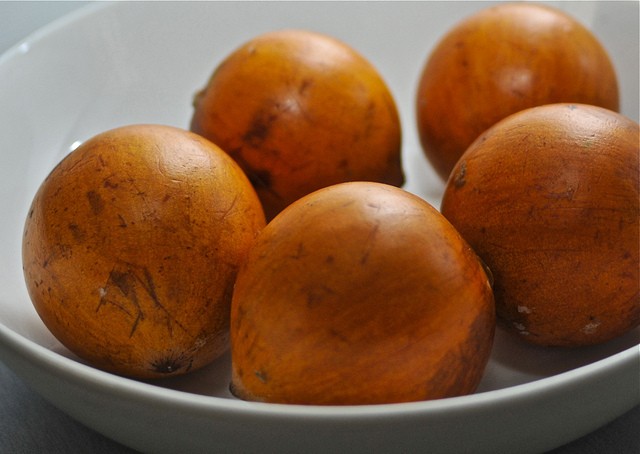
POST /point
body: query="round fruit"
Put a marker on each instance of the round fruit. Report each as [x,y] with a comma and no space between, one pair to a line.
[132,245]
[502,60]
[360,293]
[300,111]
[548,198]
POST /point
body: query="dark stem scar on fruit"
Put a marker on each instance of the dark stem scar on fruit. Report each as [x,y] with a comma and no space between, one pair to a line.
[122,291]
[459,179]
[170,364]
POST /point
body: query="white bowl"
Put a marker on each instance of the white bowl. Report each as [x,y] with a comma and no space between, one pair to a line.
[110,65]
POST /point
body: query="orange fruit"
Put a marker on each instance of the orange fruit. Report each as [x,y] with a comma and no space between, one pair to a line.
[502,60]
[299,111]
[548,198]
[360,293]
[132,245]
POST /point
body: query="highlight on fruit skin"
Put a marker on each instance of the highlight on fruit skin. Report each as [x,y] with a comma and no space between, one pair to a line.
[299,111]
[499,61]
[360,293]
[548,198]
[131,247]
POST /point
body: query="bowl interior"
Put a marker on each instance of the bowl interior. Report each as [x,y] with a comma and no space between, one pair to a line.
[124,70]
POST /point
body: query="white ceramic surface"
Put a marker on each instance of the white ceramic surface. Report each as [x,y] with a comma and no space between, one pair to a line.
[111,65]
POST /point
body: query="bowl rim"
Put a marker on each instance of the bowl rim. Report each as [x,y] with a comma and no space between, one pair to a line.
[148,391]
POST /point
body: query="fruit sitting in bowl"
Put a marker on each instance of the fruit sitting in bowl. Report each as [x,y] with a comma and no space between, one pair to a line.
[360,293]
[548,198]
[299,111]
[132,245]
[502,60]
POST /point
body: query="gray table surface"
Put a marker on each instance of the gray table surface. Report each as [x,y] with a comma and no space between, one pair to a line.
[29,424]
